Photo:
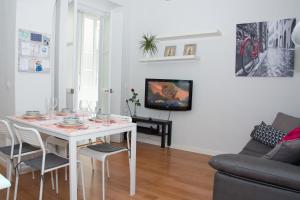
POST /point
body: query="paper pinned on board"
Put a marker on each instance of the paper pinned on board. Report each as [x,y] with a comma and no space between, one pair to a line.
[44,51]
[26,49]
[24,64]
[34,52]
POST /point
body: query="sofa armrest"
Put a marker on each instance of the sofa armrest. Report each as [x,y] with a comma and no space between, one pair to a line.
[258,169]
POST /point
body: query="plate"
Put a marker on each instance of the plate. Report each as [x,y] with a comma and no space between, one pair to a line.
[61,114]
[98,120]
[32,113]
[70,124]
[33,116]
[71,120]
[65,125]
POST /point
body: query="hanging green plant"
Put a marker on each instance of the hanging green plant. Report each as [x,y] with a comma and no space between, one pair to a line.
[148,44]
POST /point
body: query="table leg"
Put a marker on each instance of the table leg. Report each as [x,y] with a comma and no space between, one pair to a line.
[169,134]
[163,136]
[133,161]
[73,168]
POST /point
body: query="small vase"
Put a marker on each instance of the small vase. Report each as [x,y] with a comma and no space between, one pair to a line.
[148,54]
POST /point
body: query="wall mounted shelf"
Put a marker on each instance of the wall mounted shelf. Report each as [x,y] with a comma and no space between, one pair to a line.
[171,58]
[212,33]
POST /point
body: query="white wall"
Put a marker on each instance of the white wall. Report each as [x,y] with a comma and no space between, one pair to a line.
[7,56]
[225,108]
[32,89]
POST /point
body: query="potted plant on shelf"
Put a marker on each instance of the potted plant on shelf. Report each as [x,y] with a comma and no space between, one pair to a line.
[135,101]
[148,45]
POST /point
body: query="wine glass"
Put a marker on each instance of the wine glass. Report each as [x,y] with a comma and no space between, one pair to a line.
[83,106]
[92,106]
[47,106]
[54,103]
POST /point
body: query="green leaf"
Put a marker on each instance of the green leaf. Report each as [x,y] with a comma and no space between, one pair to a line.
[148,44]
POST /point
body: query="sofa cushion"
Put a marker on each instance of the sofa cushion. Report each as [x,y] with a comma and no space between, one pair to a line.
[255,148]
[292,135]
[268,135]
[258,169]
[227,187]
[288,152]
[285,122]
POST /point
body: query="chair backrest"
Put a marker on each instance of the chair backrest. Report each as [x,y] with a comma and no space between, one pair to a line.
[30,136]
[6,132]
[6,135]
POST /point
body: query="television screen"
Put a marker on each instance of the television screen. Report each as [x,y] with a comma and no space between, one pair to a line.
[166,94]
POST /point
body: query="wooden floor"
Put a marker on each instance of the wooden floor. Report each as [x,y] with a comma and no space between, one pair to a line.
[165,174]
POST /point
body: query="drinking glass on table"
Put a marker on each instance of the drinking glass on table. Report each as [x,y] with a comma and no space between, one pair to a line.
[92,109]
[53,105]
[106,119]
[47,106]
[83,106]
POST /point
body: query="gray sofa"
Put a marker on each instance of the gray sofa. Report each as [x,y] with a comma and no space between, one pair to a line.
[248,176]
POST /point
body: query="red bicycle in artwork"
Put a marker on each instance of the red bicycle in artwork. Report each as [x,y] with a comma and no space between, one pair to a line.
[249,52]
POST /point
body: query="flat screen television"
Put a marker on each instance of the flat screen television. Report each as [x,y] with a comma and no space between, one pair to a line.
[168,94]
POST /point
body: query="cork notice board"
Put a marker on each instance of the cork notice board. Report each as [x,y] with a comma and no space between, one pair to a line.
[34,52]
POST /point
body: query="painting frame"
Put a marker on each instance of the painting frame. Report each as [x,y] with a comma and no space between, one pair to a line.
[190,50]
[170,51]
[265,49]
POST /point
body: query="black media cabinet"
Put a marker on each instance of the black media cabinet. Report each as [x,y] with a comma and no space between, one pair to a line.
[161,128]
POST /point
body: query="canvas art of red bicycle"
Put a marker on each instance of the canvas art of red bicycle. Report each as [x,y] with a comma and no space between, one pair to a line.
[249,52]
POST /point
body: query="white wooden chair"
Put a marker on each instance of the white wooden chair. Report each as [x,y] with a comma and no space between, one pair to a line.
[47,162]
[64,144]
[102,151]
[61,143]
[11,149]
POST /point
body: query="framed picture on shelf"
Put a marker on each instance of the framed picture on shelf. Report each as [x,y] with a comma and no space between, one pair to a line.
[170,51]
[189,49]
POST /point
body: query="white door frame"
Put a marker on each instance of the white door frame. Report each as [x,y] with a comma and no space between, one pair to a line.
[83,9]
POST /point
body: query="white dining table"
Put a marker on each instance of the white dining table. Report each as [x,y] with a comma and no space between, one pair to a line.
[94,130]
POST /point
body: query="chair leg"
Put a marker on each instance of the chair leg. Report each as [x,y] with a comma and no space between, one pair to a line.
[56,181]
[8,174]
[107,169]
[52,180]
[103,180]
[92,161]
[33,177]
[16,183]
[82,179]
[41,187]
[66,168]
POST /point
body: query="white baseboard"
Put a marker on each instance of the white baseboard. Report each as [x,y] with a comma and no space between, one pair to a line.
[196,150]
[149,139]
[155,140]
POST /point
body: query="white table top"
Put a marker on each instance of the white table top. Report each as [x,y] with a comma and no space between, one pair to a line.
[49,125]
[4,183]
[119,125]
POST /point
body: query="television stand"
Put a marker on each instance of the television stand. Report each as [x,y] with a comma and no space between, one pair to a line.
[162,128]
